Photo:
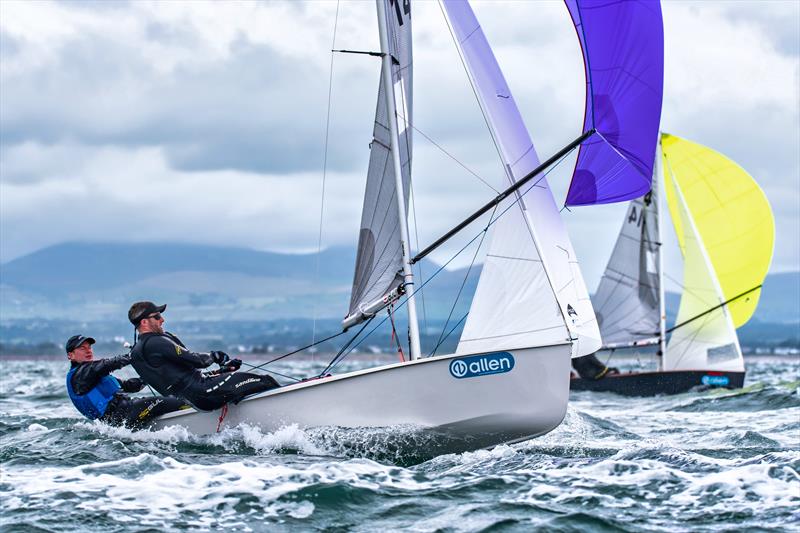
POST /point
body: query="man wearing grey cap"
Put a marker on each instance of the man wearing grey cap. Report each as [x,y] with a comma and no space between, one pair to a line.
[99,395]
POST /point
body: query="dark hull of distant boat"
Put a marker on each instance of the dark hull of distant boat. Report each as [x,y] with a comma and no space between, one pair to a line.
[654,383]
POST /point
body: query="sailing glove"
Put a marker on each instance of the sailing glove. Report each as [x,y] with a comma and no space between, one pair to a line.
[132,385]
[233,365]
[221,358]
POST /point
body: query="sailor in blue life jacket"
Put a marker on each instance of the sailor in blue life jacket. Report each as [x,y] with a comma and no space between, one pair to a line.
[99,395]
[167,365]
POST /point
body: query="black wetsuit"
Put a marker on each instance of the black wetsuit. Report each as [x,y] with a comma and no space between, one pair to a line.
[590,367]
[165,364]
[122,409]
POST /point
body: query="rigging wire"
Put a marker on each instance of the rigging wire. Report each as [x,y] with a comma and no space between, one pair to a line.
[338,357]
[253,367]
[463,283]
[475,90]
[419,267]
[442,267]
[299,350]
[324,172]
[448,154]
[460,320]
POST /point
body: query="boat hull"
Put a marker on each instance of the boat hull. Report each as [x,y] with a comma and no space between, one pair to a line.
[470,412]
[653,383]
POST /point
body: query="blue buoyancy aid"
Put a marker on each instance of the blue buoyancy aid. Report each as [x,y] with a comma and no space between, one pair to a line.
[93,404]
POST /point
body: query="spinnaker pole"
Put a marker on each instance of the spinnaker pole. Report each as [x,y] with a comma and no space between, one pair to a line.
[408,276]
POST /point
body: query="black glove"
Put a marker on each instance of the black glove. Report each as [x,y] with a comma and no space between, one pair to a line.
[221,358]
[133,385]
[233,365]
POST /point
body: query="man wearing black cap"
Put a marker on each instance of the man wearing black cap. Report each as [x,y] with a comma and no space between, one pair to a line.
[167,365]
[99,395]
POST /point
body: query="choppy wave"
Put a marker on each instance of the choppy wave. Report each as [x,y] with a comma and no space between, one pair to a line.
[704,461]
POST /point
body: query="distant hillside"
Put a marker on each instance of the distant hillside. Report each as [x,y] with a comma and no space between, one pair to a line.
[99,281]
[74,267]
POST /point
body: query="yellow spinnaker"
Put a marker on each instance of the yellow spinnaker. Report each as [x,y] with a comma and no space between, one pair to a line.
[732,216]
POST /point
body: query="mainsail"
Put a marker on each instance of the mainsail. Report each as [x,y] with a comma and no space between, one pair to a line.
[708,340]
[623,50]
[379,260]
[628,299]
[726,233]
[531,291]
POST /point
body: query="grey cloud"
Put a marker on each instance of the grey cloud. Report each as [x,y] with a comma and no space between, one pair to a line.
[780,24]
[259,111]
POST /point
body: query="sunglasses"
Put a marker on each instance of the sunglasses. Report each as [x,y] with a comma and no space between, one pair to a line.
[157,316]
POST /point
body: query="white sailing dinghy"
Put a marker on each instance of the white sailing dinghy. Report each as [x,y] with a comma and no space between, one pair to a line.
[726,234]
[509,378]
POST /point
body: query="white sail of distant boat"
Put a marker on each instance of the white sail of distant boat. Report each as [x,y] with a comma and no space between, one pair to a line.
[725,229]
[627,301]
[509,379]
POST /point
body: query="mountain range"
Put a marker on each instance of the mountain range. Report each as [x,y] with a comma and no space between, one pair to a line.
[98,282]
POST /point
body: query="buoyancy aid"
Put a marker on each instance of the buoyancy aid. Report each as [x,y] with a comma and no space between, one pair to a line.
[94,403]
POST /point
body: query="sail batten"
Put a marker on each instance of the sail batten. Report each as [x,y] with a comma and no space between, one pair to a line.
[623,50]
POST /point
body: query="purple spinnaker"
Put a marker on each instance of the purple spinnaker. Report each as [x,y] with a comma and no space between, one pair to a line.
[623,53]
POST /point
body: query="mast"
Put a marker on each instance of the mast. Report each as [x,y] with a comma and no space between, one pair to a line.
[408,276]
[662,312]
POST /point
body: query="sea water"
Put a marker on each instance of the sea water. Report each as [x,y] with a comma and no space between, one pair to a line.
[712,460]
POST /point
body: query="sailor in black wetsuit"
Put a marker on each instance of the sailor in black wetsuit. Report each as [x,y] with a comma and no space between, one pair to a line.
[98,394]
[590,367]
[164,363]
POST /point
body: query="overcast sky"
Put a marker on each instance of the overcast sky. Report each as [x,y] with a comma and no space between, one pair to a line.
[205,122]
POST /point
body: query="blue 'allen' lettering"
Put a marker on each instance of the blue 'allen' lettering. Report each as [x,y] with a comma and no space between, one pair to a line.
[481,365]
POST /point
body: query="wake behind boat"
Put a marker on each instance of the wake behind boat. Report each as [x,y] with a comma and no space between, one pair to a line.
[509,377]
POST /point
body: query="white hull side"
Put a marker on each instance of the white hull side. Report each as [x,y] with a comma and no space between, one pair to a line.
[480,411]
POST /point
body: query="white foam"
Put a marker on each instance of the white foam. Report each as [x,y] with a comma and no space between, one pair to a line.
[291,437]
[169,434]
[37,428]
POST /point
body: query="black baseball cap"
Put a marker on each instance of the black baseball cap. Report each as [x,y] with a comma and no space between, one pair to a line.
[75,341]
[140,310]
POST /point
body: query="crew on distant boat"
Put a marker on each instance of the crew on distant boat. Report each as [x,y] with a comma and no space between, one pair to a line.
[167,365]
[99,395]
[590,367]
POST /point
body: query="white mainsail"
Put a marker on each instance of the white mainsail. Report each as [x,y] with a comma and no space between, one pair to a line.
[379,261]
[628,299]
[531,291]
[707,339]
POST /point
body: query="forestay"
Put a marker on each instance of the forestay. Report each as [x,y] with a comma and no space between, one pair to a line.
[379,261]
[531,291]
[627,301]
[623,50]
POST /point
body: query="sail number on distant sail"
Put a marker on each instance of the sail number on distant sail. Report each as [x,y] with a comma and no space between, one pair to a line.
[482,365]
[406,9]
[637,217]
